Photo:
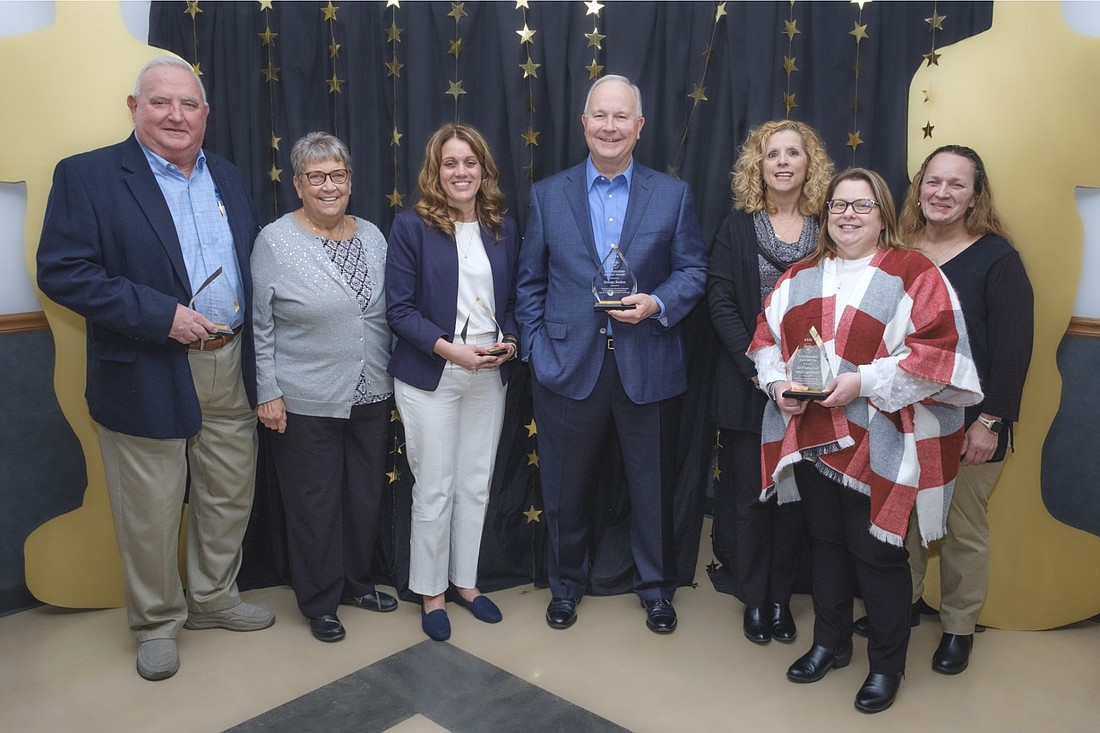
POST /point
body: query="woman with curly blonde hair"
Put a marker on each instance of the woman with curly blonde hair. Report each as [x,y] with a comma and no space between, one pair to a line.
[450,290]
[779,182]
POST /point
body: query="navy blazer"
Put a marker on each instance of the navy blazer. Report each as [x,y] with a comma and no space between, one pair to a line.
[422,294]
[109,252]
[563,338]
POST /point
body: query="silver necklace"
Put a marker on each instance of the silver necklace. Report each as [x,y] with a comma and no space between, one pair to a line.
[339,228]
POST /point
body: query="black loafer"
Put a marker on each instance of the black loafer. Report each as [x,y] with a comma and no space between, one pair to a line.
[562,612]
[782,623]
[660,616]
[953,654]
[860,625]
[376,600]
[482,608]
[814,664]
[756,624]
[878,692]
[326,628]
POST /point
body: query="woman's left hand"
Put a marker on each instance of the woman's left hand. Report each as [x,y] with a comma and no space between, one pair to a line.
[978,444]
[845,390]
[509,351]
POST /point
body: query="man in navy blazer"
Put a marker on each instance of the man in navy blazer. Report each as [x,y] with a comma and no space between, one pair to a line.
[620,370]
[132,233]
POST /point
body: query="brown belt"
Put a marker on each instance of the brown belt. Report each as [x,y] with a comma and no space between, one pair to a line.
[214,342]
[610,343]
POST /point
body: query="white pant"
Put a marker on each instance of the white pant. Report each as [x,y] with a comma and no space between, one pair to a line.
[451,437]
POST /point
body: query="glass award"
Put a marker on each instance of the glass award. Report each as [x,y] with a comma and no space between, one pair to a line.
[219,304]
[809,366]
[613,282]
[484,314]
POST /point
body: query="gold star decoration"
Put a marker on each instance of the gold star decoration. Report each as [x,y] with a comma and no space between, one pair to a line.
[193,9]
[393,3]
[522,4]
[595,39]
[335,86]
[533,458]
[393,476]
[274,142]
[393,68]
[859,31]
[265,4]
[927,129]
[790,29]
[329,11]
[711,567]
[719,12]
[594,8]
[275,174]
[456,48]
[854,140]
[789,65]
[526,35]
[532,514]
[395,199]
[458,10]
[532,429]
[455,89]
[594,70]
[395,139]
[672,170]
[333,50]
[395,416]
[927,95]
[271,73]
[530,68]
[932,58]
[699,94]
[197,68]
[716,473]
[531,137]
[935,23]
[393,33]
[789,102]
[267,37]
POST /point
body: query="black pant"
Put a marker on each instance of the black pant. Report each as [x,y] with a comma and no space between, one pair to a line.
[331,475]
[759,543]
[844,552]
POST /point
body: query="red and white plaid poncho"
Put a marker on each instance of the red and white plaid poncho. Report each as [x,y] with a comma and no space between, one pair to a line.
[901,445]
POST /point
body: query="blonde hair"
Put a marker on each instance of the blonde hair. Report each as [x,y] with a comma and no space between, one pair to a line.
[433,206]
[747,186]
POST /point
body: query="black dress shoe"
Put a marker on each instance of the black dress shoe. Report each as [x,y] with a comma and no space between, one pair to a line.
[326,628]
[860,625]
[376,600]
[782,623]
[757,625]
[562,612]
[813,665]
[878,691]
[953,654]
[660,616]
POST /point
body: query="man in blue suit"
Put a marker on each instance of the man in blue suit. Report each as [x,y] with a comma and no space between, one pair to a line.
[132,234]
[621,370]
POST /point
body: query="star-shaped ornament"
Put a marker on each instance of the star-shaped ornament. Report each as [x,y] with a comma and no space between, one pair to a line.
[393,476]
[927,95]
[594,8]
[334,50]
[532,429]
[455,89]
[267,37]
[935,23]
[533,458]
[927,129]
[529,171]
[789,102]
[456,48]
[271,73]
[197,68]
[790,29]
[531,137]
[712,566]
[594,70]
[595,39]
[274,142]
[395,139]
[532,514]
[393,68]
[859,31]
[393,33]
[329,11]
[790,65]
[719,12]
[193,9]
[335,86]
[530,68]
[275,174]
[526,35]
[458,10]
[395,416]
[265,4]
[672,170]
[854,140]
[522,4]
[932,58]
[396,199]
[393,3]
[716,473]
[699,94]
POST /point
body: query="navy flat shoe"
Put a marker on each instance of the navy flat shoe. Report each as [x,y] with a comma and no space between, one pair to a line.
[482,608]
[436,624]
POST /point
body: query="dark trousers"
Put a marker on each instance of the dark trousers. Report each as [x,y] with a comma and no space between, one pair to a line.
[844,553]
[331,475]
[572,440]
[759,543]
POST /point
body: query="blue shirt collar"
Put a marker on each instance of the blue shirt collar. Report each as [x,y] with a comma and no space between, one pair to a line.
[161,165]
[591,174]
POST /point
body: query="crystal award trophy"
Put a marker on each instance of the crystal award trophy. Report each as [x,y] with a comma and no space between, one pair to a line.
[485,315]
[613,282]
[220,306]
[809,366]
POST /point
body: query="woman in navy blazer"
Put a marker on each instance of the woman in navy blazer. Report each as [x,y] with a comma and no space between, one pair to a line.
[450,294]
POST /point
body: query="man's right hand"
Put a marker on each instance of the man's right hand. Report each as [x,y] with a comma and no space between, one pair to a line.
[190,325]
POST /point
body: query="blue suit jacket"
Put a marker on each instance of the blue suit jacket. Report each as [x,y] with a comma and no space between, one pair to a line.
[109,252]
[422,294]
[562,337]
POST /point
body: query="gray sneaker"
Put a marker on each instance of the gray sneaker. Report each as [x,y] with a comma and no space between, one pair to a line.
[157,659]
[242,617]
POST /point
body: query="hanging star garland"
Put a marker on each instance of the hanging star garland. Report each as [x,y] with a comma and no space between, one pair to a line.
[335,83]
[698,93]
[271,77]
[530,73]
[532,514]
[595,39]
[393,71]
[458,12]
[790,61]
[932,58]
[533,458]
[532,429]
[859,33]
[193,10]
[927,129]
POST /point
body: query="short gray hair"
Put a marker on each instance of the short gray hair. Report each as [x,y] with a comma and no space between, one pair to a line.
[622,80]
[315,147]
[172,62]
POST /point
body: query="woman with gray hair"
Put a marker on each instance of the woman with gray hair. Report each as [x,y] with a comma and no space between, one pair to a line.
[322,345]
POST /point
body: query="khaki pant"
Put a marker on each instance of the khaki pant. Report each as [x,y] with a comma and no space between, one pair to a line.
[964,552]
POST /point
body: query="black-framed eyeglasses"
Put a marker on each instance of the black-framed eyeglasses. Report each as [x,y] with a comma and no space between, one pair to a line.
[860,206]
[317,178]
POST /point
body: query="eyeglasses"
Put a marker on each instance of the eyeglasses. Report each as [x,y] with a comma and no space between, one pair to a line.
[860,206]
[317,178]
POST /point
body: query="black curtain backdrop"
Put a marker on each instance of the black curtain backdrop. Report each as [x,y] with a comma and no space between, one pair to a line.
[384,77]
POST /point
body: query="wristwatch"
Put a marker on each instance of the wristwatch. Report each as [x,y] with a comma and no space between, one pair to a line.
[994,426]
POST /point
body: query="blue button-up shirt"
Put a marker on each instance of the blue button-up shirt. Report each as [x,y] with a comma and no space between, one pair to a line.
[205,237]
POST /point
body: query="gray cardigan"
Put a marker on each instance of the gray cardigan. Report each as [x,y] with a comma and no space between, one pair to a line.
[312,340]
